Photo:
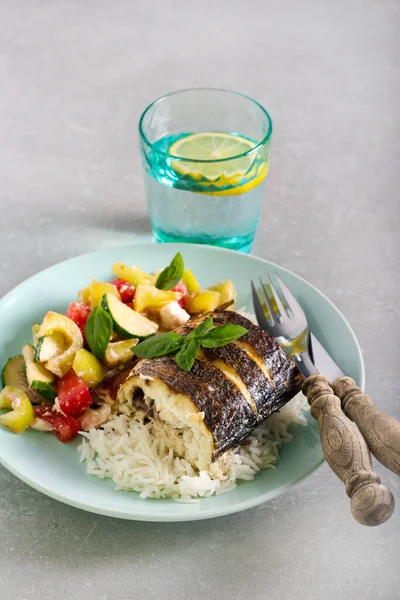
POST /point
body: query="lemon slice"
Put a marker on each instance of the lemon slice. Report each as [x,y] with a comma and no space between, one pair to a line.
[238,189]
[213,147]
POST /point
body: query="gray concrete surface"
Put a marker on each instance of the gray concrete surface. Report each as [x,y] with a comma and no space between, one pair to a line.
[74,77]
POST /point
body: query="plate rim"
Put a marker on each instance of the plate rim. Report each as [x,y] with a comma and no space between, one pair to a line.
[165,517]
[145,515]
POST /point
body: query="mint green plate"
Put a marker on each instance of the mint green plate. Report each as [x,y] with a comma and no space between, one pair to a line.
[54,468]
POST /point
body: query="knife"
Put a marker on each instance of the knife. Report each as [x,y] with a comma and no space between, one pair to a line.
[380,430]
[323,361]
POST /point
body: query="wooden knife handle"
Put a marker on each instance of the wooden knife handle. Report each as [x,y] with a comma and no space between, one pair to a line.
[380,431]
[347,454]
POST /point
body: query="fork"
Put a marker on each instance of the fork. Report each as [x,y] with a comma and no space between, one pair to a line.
[343,445]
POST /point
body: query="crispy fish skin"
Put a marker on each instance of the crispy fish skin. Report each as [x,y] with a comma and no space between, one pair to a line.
[284,379]
[251,378]
[227,414]
[260,388]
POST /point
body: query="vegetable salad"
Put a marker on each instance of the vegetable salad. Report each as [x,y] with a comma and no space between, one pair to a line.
[50,385]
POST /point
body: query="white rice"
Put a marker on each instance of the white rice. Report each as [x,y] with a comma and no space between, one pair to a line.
[127,451]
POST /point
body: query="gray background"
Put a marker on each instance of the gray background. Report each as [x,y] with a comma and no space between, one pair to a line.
[74,77]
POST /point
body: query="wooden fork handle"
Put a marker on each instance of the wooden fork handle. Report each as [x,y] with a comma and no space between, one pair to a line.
[347,454]
[380,431]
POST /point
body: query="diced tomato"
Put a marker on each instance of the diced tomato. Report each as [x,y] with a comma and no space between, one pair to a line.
[126,290]
[78,313]
[73,394]
[65,428]
[182,290]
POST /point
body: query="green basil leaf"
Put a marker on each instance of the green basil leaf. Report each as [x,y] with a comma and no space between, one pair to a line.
[187,354]
[220,336]
[171,275]
[201,329]
[159,345]
[98,330]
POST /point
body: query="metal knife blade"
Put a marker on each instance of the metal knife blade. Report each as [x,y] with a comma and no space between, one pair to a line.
[323,361]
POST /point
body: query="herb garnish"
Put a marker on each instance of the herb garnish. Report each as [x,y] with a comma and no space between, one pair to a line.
[171,275]
[187,347]
[98,330]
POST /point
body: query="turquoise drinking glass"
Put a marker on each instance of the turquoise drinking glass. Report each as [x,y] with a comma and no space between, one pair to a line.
[205,156]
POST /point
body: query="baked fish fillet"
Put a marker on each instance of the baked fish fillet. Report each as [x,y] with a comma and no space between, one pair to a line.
[214,407]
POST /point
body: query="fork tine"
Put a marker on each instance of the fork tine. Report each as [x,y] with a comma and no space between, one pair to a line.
[271,311]
[278,301]
[258,309]
[290,300]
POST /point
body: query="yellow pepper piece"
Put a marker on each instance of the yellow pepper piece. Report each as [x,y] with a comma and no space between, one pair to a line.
[118,353]
[201,302]
[226,289]
[84,294]
[132,275]
[149,297]
[35,332]
[190,281]
[88,367]
[98,289]
[21,414]
[55,322]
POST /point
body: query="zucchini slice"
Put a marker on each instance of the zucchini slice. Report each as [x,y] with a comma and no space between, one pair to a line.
[49,346]
[14,374]
[127,322]
[39,378]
